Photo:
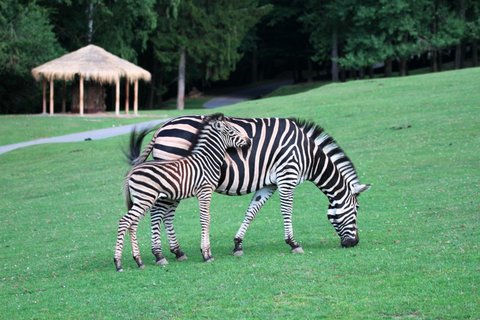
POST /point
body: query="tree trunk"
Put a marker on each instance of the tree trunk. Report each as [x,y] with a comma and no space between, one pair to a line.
[440,60]
[334,55]
[90,11]
[181,80]
[458,56]
[434,60]
[474,53]
[434,33]
[459,50]
[254,64]
[153,84]
[310,70]
[403,67]
[388,68]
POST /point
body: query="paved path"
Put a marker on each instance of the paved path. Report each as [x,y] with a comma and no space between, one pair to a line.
[245,94]
[84,136]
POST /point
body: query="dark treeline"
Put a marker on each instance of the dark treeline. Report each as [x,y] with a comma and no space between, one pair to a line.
[211,43]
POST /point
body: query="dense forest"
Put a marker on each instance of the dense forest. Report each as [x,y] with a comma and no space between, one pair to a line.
[207,44]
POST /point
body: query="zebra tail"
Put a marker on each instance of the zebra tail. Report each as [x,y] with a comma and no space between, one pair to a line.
[133,154]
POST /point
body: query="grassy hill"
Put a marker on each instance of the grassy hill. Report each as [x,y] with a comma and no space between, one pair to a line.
[415,139]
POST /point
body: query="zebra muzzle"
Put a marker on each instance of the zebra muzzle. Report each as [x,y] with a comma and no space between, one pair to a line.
[350,242]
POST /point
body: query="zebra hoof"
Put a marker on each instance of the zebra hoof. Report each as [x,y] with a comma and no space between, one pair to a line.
[209,259]
[298,250]
[118,265]
[238,253]
[161,262]
[139,262]
[183,257]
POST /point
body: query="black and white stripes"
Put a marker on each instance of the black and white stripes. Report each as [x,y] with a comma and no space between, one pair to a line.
[284,153]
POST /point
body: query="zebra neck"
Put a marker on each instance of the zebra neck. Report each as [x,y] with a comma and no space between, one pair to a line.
[211,148]
[331,180]
[332,166]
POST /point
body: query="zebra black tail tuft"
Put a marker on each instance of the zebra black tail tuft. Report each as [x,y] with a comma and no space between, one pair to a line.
[135,145]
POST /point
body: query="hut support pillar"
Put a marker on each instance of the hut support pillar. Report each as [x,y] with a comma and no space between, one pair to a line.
[135,98]
[117,97]
[127,96]
[44,102]
[64,97]
[80,98]
[51,97]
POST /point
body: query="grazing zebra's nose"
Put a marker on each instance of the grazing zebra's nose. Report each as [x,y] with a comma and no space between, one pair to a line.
[248,142]
[350,242]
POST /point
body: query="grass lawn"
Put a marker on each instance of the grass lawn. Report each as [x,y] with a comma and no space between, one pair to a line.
[415,139]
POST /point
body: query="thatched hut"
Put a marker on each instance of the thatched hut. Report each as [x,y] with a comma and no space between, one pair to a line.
[91,63]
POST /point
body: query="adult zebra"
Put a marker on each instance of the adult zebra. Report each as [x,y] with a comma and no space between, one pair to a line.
[195,175]
[284,153]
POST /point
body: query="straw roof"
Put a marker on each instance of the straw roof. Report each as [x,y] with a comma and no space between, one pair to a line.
[94,63]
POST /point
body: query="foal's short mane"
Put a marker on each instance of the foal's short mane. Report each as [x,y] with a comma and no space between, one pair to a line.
[329,146]
[205,120]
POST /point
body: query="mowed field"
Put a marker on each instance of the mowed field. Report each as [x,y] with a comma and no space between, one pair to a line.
[415,139]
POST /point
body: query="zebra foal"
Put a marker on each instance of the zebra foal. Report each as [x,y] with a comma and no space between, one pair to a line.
[195,175]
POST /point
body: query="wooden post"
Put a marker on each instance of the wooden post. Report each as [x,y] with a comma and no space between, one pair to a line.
[64,97]
[51,97]
[117,97]
[126,96]
[135,98]
[80,98]
[44,102]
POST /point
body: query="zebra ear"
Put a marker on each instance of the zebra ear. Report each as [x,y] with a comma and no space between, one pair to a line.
[217,124]
[359,188]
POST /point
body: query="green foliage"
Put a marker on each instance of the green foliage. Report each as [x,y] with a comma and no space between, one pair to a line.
[211,32]
[383,30]
[122,27]
[415,139]
[26,40]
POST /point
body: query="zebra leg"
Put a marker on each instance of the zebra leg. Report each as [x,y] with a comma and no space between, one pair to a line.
[135,249]
[204,199]
[156,216]
[123,226]
[257,202]
[286,202]
[172,237]
[129,222]
[164,211]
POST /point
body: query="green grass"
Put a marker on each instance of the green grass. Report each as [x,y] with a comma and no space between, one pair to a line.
[415,139]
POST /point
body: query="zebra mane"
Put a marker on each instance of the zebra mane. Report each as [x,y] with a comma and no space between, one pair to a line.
[205,120]
[331,149]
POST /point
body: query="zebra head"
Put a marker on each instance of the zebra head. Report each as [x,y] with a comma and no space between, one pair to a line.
[230,135]
[343,215]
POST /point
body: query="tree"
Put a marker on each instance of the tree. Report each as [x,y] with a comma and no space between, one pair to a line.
[328,23]
[26,40]
[121,27]
[384,30]
[442,29]
[206,34]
